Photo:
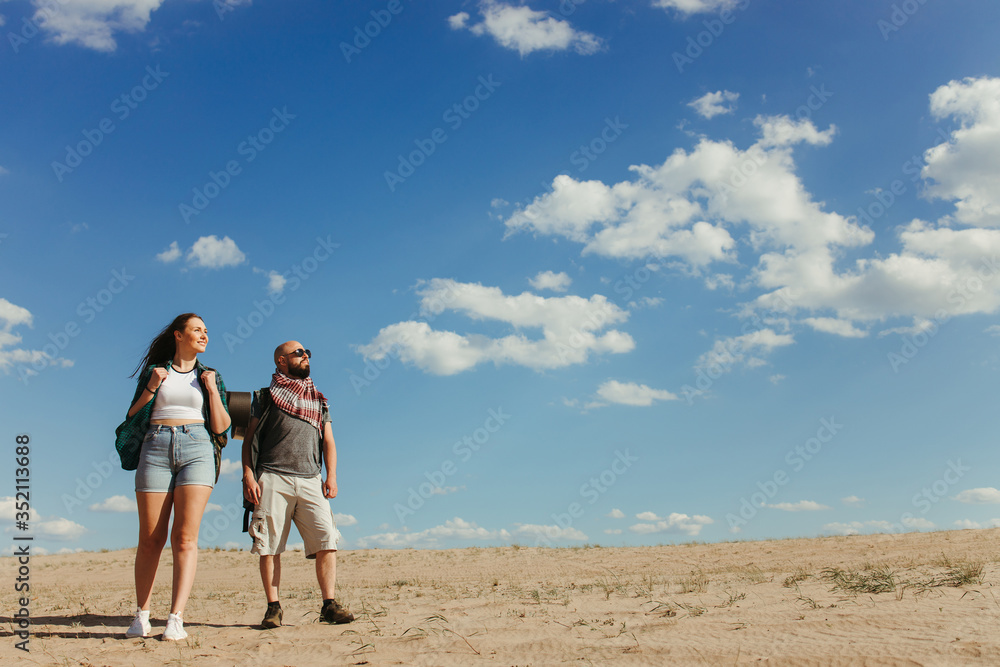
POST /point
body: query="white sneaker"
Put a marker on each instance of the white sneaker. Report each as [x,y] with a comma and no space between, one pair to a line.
[175,628]
[140,624]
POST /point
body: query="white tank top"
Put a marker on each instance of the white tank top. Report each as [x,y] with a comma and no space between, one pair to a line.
[179,397]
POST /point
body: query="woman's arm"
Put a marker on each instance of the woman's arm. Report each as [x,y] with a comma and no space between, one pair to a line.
[218,415]
[152,383]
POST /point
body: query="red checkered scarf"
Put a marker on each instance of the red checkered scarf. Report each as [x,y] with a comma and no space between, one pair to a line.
[298,398]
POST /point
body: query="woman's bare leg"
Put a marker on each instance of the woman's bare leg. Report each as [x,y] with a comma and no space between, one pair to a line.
[189,506]
[154,521]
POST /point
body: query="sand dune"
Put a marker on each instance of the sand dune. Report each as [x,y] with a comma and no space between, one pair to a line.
[914,599]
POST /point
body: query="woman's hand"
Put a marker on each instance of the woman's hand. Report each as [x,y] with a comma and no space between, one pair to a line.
[157,378]
[208,380]
[219,416]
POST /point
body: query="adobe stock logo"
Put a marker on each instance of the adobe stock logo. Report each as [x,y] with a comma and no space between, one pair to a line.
[697,44]
[249,149]
[455,115]
[796,459]
[464,449]
[591,490]
[122,106]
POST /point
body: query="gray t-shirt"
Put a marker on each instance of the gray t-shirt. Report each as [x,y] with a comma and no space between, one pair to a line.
[288,445]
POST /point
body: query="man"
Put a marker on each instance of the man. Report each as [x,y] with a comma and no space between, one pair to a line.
[287,441]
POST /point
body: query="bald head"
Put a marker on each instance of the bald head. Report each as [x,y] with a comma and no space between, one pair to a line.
[287,363]
[284,349]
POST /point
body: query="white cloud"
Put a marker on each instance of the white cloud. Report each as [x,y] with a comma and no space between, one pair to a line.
[965,169]
[982,496]
[684,207]
[675,523]
[720,280]
[35,551]
[993,330]
[783,131]
[12,315]
[92,23]
[855,527]
[211,252]
[222,6]
[917,522]
[714,104]
[570,209]
[630,393]
[344,519]
[171,254]
[647,302]
[919,325]
[853,501]
[570,328]
[746,350]
[445,490]
[967,524]
[525,30]
[613,531]
[834,326]
[550,532]
[275,281]
[557,282]
[213,507]
[454,529]
[8,510]
[115,504]
[616,514]
[230,468]
[801,506]
[688,7]
[747,207]
[58,529]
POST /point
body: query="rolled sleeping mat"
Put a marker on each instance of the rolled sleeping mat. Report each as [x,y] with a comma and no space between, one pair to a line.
[239,412]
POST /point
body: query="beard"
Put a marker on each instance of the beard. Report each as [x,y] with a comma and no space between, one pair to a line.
[300,372]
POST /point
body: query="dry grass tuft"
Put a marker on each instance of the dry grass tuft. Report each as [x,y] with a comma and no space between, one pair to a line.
[872,579]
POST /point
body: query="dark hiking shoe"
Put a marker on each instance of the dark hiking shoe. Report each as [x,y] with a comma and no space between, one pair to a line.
[332,612]
[272,617]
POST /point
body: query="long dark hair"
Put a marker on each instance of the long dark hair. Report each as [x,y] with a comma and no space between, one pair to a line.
[164,346]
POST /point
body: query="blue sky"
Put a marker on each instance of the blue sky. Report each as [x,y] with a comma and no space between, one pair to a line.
[572,272]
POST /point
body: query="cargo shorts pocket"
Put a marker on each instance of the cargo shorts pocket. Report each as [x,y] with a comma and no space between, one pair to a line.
[258,528]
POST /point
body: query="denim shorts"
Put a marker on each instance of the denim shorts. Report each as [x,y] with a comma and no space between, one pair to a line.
[175,456]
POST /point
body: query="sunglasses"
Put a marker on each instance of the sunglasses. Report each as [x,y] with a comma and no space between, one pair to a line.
[298,353]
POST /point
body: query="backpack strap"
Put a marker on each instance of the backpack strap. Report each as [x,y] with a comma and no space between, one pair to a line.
[264,405]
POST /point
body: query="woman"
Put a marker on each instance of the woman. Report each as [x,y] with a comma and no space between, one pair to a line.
[178,463]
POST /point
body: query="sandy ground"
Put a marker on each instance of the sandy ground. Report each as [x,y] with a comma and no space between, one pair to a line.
[914,599]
